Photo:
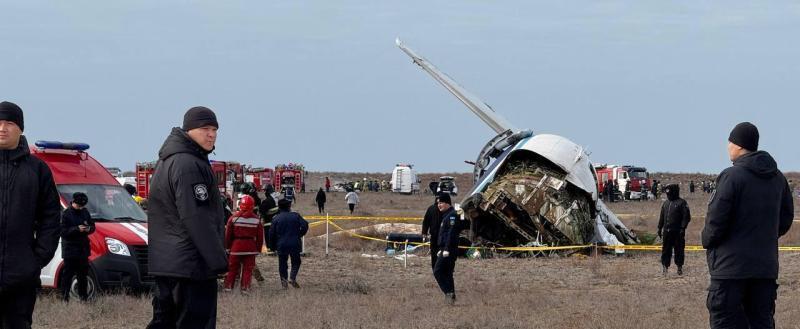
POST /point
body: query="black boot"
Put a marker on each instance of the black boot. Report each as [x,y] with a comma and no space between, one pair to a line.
[664,270]
[680,270]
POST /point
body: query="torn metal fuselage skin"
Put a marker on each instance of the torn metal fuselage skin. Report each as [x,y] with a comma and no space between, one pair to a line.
[539,191]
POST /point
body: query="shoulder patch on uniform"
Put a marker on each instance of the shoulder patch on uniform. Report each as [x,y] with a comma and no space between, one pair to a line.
[200,192]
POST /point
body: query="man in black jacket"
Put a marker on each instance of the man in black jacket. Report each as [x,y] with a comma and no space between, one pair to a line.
[267,210]
[672,223]
[29,220]
[321,199]
[749,210]
[76,225]
[430,228]
[285,237]
[186,233]
[449,231]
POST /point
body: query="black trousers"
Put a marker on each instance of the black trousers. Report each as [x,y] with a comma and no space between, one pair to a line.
[266,235]
[184,303]
[75,267]
[748,303]
[16,306]
[443,272]
[352,207]
[283,259]
[321,207]
[675,242]
[434,250]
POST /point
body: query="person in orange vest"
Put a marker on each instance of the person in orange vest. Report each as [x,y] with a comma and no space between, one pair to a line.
[244,236]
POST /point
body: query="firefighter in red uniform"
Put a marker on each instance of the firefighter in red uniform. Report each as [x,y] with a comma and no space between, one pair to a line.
[244,236]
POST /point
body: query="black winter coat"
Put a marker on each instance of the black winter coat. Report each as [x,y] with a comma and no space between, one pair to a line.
[285,233]
[264,209]
[30,213]
[186,231]
[750,209]
[321,198]
[74,243]
[431,223]
[449,231]
[675,214]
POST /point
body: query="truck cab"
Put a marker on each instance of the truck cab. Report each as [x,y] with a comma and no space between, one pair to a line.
[119,254]
[632,183]
[447,184]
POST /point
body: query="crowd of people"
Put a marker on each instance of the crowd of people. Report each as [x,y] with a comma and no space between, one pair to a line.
[195,238]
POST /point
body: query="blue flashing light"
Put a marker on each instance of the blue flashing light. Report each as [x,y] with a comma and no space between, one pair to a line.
[54,145]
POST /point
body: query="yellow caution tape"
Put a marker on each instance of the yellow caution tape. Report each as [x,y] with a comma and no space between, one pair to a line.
[330,219]
[365,218]
[687,248]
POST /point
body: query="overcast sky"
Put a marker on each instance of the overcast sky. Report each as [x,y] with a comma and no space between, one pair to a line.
[653,83]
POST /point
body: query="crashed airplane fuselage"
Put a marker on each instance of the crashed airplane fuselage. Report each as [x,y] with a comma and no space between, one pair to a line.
[530,190]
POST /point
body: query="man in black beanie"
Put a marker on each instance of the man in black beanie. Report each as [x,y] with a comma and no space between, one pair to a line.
[30,214]
[750,209]
[186,234]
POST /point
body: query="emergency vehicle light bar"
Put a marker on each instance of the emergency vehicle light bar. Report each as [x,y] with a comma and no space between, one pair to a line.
[54,145]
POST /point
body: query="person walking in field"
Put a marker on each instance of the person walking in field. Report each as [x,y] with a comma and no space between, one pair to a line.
[751,207]
[449,231]
[285,234]
[352,200]
[672,223]
[321,199]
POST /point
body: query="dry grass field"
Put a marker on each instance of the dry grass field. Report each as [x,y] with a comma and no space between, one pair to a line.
[347,290]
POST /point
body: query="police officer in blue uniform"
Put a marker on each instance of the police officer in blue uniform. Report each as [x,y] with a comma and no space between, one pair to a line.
[449,230]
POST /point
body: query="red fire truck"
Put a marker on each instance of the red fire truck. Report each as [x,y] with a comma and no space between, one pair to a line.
[260,177]
[633,181]
[144,172]
[229,176]
[289,175]
[119,254]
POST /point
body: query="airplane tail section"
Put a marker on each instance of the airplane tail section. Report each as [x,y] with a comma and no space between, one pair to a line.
[475,104]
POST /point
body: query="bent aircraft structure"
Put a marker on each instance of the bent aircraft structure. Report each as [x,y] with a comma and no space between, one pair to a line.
[530,190]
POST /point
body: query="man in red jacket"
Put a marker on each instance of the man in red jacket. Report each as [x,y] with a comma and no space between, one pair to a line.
[244,236]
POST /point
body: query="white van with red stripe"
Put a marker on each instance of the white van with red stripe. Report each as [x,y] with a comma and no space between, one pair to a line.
[119,244]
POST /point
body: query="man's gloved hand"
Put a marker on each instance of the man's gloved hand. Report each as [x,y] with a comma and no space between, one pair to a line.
[426,238]
[683,232]
[439,254]
[659,234]
[445,254]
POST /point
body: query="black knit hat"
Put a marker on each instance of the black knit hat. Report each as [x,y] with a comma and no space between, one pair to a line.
[745,135]
[445,197]
[284,204]
[80,198]
[199,116]
[12,112]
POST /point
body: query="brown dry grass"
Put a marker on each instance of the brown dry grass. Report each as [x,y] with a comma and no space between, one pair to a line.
[345,290]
